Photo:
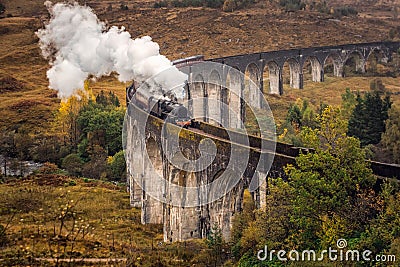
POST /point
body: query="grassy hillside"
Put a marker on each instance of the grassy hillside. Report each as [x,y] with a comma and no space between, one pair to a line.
[106,226]
[25,99]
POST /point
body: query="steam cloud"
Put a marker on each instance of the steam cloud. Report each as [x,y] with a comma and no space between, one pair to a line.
[79,45]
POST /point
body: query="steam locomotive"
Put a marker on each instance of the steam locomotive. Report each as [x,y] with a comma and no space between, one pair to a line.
[162,106]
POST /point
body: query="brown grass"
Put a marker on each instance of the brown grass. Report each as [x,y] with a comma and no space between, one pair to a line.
[114,229]
[179,31]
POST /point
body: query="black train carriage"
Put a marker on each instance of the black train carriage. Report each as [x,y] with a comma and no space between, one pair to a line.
[160,106]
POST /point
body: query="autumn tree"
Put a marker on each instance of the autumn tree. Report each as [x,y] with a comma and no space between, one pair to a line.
[66,121]
[327,183]
[215,242]
[391,136]
[100,123]
[96,167]
[117,167]
[382,235]
[328,194]
[348,103]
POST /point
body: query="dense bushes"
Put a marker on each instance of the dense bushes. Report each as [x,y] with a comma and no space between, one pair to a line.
[227,5]
[2,8]
[292,5]
[187,3]
[345,11]
[84,139]
[327,196]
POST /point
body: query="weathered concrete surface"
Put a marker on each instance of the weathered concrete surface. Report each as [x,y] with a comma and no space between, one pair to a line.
[180,222]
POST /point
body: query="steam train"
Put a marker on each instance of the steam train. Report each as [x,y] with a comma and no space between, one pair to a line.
[162,106]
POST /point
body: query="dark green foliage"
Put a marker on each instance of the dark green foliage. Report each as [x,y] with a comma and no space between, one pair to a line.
[100,123]
[190,3]
[48,149]
[117,167]
[383,233]
[3,235]
[292,5]
[124,7]
[294,115]
[391,136]
[345,11]
[214,3]
[303,117]
[367,121]
[73,164]
[187,3]
[107,100]
[2,8]
[215,243]
[348,103]
[299,115]
[160,4]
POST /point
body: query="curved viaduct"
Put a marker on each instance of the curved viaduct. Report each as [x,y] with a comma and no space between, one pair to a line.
[272,62]
[180,222]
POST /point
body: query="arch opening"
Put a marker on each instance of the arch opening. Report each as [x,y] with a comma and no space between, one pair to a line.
[354,64]
[214,92]
[313,70]
[234,84]
[198,102]
[252,85]
[274,80]
[377,64]
[291,74]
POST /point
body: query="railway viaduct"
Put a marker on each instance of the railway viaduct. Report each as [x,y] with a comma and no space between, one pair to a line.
[169,200]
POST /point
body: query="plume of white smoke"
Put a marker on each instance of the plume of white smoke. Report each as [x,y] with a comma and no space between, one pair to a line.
[78,45]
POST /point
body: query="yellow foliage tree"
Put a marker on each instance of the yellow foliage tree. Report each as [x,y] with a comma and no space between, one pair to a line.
[65,123]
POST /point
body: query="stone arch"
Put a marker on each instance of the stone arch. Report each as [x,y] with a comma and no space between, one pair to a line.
[394,60]
[274,77]
[198,103]
[353,61]
[376,62]
[252,85]
[234,84]
[295,79]
[314,68]
[333,63]
[213,98]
